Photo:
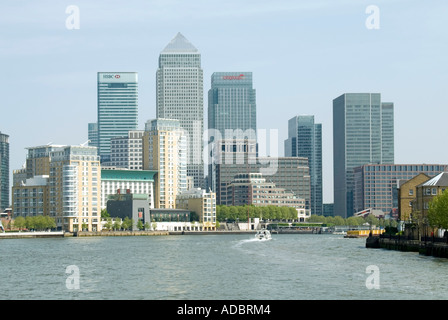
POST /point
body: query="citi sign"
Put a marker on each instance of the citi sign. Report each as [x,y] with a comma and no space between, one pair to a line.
[240,77]
[111,76]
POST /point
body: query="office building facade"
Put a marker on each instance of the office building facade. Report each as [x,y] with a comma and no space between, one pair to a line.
[4,171]
[363,133]
[117,108]
[305,140]
[289,173]
[127,151]
[179,95]
[376,185]
[232,106]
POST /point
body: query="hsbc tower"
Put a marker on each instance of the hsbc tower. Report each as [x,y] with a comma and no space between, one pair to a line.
[117,108]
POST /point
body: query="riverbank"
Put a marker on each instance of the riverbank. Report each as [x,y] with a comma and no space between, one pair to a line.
[428,248]
[59,234]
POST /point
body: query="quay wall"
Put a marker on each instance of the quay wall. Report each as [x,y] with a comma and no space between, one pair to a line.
[428,248]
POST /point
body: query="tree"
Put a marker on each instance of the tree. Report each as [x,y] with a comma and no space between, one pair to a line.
[438,211]
[109,224]
[104,213]
[117,224]
[127,223]
[19,222]
[140,225]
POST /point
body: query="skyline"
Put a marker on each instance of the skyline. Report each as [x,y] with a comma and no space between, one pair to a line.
[302,56]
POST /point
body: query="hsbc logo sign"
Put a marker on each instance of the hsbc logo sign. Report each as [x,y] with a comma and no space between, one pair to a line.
[111,76]
[240,77]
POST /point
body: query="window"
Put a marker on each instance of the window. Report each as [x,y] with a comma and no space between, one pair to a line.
[411,192]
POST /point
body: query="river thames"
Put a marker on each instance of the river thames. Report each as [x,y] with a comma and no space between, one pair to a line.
[215,267]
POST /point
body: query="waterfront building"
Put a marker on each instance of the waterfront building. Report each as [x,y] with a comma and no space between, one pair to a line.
[305,140]
[127,151]
[136,181]
[253,189]
[31,197]
[363,133]
[375,185]
[179,95]
[289,173]
[426,191]
[125,204]
[75,188]
[4,171]
[232,106]
[117,108]
[229,151]
[165,151]
[201,202]
[407,191]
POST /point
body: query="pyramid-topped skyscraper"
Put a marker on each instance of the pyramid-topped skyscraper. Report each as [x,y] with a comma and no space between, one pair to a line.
[179,95]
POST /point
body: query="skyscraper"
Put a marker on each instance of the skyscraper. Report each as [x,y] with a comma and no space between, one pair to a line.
[231,104]
[305,140]
[179,95]
[117,108]
[363,133]
[4,171]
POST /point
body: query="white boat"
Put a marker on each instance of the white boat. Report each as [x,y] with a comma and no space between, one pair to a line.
[263,234]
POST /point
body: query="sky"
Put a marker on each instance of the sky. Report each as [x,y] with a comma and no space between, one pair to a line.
[302,54]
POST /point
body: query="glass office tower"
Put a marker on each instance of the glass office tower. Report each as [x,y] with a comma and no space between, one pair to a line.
[231,105]
[4,171]
[179,95]
[117,108]
[305,140]
[363,133]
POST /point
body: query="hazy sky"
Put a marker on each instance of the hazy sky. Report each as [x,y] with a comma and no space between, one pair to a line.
[303,54]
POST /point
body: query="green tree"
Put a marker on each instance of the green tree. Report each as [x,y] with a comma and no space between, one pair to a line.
[438,211]
[19,222]
[140,225]
[109,224]
[117,224]
[30,223]
[104,213]
[127,223]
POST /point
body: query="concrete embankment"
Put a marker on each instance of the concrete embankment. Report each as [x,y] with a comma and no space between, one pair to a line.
[119,233]
[23,235]
[428,248]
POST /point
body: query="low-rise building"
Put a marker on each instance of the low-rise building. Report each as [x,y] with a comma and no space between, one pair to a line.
[202,203]
[407,191]
[133,206]
[427,190]
[254,189]
[137,181]
[30,198]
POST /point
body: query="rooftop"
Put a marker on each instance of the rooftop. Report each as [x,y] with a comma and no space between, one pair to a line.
[179,44]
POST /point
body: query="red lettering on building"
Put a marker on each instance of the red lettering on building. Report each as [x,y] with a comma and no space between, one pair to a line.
[241,76]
